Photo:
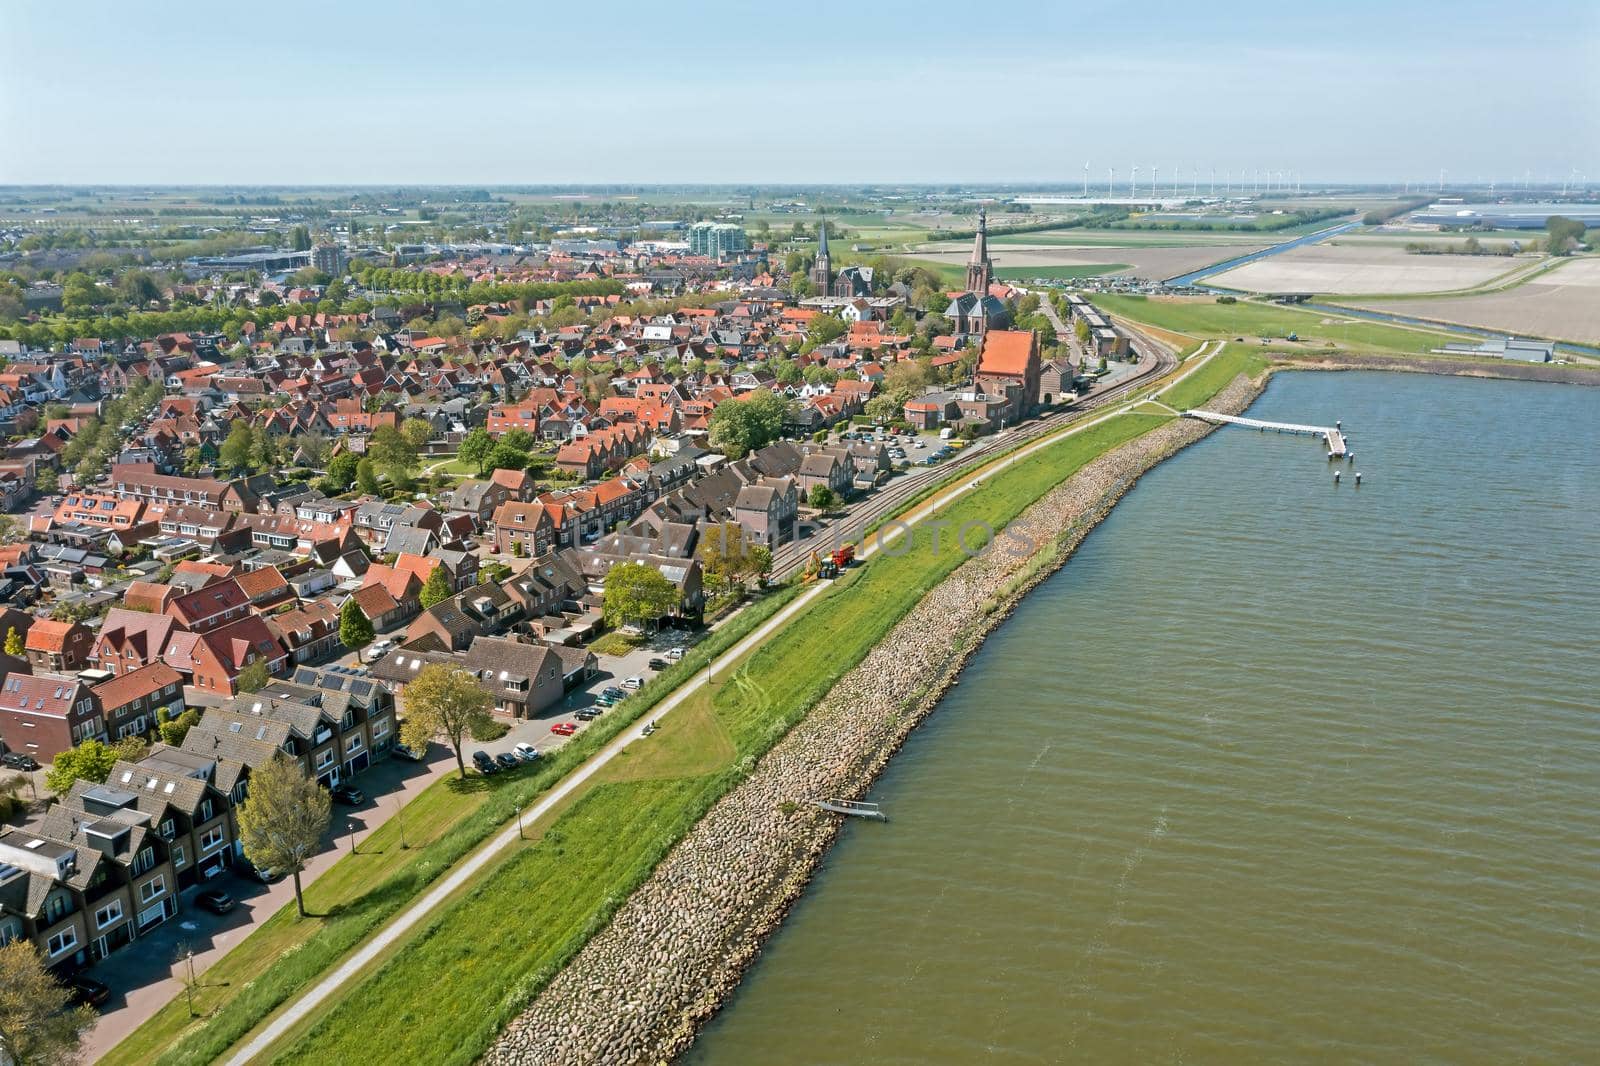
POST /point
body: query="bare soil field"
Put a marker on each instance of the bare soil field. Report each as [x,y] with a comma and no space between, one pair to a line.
[1562,304]
[1143,262]
[1364,268]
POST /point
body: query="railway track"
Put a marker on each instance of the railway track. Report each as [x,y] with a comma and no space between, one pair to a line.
[1156,359]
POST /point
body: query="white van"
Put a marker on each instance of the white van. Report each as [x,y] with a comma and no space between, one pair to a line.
[946,433]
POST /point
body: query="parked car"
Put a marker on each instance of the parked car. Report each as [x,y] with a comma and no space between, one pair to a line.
[485,765]
[214,900]
[674,654]
[588,714]
[265,874]
[507,761]
[564,729]
[633,684]
[85,991]
[659,664]
[349,795]
[18,760]
[525,752]
[613,691]
[409,754]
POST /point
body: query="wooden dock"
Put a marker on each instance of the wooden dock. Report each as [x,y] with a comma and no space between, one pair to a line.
[853,808]
[1332,435]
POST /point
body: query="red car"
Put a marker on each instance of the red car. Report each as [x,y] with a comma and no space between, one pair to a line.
[564,729]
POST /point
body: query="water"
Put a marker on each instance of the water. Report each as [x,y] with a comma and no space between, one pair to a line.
[1272,771]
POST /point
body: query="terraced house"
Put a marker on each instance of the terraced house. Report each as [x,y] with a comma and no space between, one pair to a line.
[178,796]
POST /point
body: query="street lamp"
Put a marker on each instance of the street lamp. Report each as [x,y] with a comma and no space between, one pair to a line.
[519,824]
[188,986]
[399,820]
[350,827]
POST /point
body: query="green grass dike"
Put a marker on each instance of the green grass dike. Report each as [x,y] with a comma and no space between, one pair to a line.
[445,995]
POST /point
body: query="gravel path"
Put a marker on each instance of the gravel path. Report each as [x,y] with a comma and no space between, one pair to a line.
[640,990]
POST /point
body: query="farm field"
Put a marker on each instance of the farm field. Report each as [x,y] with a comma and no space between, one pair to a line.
[1057,273]
[1140,261]
[1102,238]
[1364,268]
[1205,317]
[1561,304]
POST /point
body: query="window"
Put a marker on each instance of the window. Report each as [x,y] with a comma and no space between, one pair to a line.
[63,941]
[178,855]
[205,810]
[153,889]
[146,859]
[168,829]
[380,729]
[111,912]
[56,909]
[211,839]
[325,759]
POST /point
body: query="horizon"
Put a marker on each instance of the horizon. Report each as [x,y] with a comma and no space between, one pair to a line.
[736,98]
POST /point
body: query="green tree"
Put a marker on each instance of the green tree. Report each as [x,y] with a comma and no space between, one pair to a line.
[238,452]
[367,477]
[91,760]
[173,730]
[446,701]
[355,629]
[14,643]
[1565,233]
[437,588]
[254,677]
[742,425]
[342,470]
[300,239]
[504,457]
[417,432]
[823,498]
[282,819]
[637,593]
[38,1024]
[392,454]
[475,448]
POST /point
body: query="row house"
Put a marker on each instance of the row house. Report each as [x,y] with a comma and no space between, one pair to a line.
[130,640]
[307,633]
[58,647]
[527,529]
[97,510]
[188,807]
[133,703]
[603,450]
[767,509]
[43,715]
[334,733]
[140,482]
[210,607]
[213,660]
[83,886]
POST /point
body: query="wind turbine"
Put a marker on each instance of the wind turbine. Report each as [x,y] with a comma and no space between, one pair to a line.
[1085,179]
[1213,181]
[1133,183]
[1111,178]
[1155,185]
[1195,191]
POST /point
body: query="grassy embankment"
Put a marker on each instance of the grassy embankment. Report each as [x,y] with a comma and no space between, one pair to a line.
[362,891]
[444,996]
[1317,330]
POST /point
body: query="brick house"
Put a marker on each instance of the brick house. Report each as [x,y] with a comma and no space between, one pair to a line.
[58,647]
[45,715]
[129,640]
[131,704]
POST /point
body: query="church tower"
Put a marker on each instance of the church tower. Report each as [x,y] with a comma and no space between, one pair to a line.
[822,269]
[979,268]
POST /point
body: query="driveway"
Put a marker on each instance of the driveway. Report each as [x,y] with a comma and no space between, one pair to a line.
[141,974]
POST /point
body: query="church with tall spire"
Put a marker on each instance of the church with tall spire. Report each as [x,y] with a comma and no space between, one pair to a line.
[976,311]
[822,269]
[979,269]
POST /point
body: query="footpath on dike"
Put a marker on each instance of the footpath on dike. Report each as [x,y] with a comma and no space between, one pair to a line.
[640,990]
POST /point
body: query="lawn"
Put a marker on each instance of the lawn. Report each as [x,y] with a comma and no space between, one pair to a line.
[1058,273]
[444,996]
[1204,317]
[1200,386]
[616,644]
[364,890]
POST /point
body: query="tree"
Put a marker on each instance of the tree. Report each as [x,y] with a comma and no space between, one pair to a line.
[91,760]
[393,454]
[38,1027]
[504,457]
[282,819]
[822,497]
[446,701]
[254,677]
[175,729]
[367,477]
[14,643]
[1564,233]
[475,448]
[355,629]
[130,749]
[637,593]
[239,449]
[342,470]
[417,432]
[437,588]
[299,239]
[743,425]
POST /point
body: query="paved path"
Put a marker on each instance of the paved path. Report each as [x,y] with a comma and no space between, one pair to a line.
[395,931]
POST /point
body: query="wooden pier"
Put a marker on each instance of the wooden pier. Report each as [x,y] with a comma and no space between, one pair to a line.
[1333,435]
[854,808]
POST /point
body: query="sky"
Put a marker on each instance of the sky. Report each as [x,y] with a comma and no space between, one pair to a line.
[361,92]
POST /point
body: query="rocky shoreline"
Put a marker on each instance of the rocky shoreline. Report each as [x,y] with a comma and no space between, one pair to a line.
[640,990]
[1487,368]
